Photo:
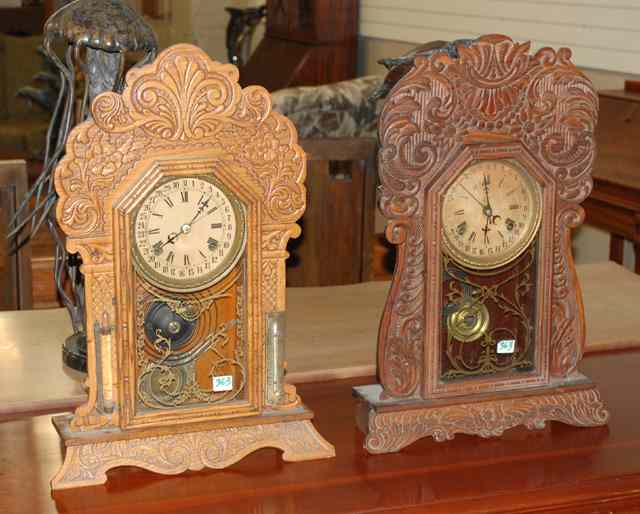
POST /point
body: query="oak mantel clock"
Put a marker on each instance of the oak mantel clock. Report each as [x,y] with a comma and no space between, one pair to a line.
[180,196]
[486,153]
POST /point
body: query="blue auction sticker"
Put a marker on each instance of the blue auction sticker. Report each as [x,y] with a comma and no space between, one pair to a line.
[222,383]
[506,346]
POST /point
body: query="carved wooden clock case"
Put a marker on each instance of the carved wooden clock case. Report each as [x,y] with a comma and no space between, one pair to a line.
[180,196]
[486,154]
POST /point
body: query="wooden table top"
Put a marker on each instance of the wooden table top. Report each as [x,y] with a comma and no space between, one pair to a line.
[557,469]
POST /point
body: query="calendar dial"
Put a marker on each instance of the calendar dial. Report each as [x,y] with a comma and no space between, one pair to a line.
[188,233]
[490,214]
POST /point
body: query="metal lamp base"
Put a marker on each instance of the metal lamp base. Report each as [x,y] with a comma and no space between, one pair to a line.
[74,352]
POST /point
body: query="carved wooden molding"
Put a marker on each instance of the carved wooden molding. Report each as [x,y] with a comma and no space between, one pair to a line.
[391,431]
[496,91]
[169,455]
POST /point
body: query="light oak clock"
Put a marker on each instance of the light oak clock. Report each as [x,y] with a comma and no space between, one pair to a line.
[180,196]
[486,153]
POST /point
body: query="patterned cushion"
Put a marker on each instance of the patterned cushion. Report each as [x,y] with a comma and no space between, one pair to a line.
[342,109]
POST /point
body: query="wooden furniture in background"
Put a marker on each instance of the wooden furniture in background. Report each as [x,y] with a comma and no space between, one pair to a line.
[151,8]
[614,204]
[22,20]
[337,226]
[307,42]
[559,469]
[15,267]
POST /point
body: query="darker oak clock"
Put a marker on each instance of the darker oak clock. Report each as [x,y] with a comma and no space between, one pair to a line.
[180,196]
[486,154]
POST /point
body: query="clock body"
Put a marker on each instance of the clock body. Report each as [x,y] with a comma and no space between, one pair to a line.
[180,196]
[486,153]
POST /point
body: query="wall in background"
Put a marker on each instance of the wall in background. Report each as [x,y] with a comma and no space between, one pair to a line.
[603,34]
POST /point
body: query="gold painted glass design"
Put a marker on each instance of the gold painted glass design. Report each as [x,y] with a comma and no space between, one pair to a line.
[488,325]
[187,233]
[191,347]
[490,214]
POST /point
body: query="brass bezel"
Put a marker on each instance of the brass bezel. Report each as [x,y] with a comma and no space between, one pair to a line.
[220,271]
[472,261]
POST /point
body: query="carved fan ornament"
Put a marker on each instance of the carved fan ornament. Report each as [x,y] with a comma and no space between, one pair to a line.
[182,116]
[495,102]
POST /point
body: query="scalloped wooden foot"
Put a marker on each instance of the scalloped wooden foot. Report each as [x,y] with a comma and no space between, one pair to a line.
[390,427]
[87,464]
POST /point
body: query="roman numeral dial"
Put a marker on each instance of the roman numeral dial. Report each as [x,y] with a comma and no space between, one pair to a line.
[188,232]
[490,214]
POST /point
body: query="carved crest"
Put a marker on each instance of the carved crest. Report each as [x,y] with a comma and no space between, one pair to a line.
[496,91]
[183,100]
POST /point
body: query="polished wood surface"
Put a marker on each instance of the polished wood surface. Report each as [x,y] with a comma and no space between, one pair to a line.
[557,469]
[614,204]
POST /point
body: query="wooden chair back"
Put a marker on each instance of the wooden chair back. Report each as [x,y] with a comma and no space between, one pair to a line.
[15,267]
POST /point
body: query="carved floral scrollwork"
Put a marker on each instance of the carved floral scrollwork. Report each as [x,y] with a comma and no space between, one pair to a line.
[182,101]
[173,454]
[275,238]
[390,432]
[567,317]
[400,354]
[495,86]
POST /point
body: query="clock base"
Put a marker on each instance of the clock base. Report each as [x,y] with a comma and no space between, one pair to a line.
[392,424]
[88,459]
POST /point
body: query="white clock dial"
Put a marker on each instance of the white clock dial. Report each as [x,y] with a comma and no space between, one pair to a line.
[490,214]
[188,233]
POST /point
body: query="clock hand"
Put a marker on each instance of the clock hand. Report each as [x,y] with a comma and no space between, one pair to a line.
[201,208]
[196,219]
[472,196]
[172,237]
[487,210]
[486,230]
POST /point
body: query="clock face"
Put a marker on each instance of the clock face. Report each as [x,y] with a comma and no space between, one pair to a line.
[490,214]
[187,234]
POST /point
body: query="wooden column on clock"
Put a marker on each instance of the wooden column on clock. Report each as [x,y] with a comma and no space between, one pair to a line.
[486,154]
[180,196]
